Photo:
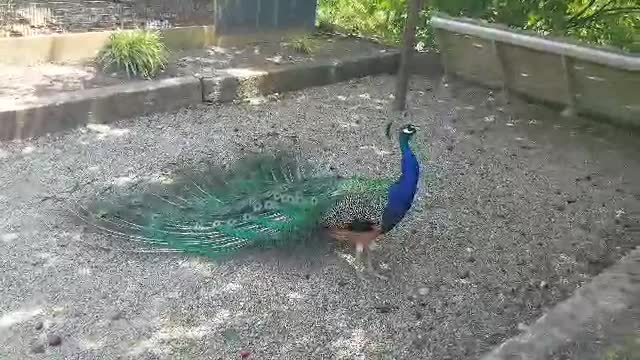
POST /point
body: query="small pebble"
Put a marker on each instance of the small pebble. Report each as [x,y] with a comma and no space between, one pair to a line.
[37,348]
[39,325]
[54,340]
[383,309]
[464,274]
[423,291]
[116,315]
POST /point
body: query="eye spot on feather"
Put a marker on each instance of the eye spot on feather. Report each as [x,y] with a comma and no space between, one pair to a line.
[257,207]
[277,197]
[269,205]
[216,223]
[247,217]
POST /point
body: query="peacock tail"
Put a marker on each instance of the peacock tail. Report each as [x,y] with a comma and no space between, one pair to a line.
[263,201]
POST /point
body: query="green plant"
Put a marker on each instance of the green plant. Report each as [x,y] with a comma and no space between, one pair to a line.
[303,44]
[629,350]
[139,53]
[605,22]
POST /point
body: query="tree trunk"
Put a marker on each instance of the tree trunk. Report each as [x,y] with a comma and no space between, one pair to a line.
[408,43]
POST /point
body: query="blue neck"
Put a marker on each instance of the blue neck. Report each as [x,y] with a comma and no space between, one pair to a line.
[402,192]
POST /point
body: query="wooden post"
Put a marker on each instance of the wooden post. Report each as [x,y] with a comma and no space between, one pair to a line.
[408,41]
[567,67]
[504,68]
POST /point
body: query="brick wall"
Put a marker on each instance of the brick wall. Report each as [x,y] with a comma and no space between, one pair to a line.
[31,17]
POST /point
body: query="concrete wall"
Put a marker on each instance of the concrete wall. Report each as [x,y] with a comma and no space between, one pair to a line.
[595,82]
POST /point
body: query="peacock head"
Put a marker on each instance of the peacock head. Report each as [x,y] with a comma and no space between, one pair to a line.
[406,132]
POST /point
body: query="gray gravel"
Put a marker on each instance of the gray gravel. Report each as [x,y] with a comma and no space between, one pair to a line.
[522,207]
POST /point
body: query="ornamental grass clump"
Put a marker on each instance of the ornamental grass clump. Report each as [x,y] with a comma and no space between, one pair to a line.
[138,53]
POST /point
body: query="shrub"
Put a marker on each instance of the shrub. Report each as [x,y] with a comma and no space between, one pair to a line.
[303,44]
[139,53]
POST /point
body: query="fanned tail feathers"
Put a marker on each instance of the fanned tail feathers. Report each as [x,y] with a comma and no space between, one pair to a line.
[263,201]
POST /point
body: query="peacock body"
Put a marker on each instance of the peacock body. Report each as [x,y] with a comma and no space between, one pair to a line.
[265,200]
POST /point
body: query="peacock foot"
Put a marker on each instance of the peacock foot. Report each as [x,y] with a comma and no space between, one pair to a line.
[372,270]
[360,265]
[355,262]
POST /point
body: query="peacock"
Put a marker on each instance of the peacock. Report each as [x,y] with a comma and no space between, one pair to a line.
[263,200]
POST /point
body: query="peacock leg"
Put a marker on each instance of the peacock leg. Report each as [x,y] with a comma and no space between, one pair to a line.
[358,263]
[355,262]
[370,268]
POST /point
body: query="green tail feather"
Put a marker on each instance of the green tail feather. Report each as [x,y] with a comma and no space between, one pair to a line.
[263,201]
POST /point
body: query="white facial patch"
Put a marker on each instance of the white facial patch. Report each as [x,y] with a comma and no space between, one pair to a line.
[407,131]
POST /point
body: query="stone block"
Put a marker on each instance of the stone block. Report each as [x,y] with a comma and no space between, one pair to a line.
[244,83]
[102,105]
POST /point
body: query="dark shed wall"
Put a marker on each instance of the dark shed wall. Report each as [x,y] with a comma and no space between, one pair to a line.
[246,16]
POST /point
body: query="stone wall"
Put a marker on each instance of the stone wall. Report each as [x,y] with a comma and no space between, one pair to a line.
[32,17]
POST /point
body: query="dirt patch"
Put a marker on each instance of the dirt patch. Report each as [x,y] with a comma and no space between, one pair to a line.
[25,84]
[518,207]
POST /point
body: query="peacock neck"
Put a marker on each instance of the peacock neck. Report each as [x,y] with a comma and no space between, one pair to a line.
[409,167]
[402,192]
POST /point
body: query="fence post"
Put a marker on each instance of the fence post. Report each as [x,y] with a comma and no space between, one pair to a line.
[567,70]
[504,69]
[448,76]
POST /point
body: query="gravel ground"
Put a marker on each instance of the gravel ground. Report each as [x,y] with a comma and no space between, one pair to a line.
[521,208]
